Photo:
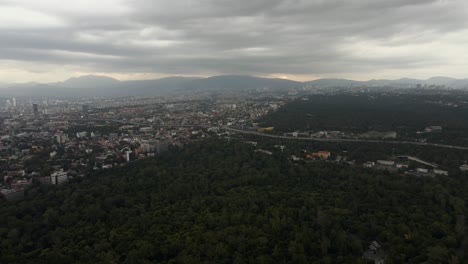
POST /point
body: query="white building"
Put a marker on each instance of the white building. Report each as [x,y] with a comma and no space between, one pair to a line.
[440,172]
[61,138]
[58,177]
[386,162]
[82,134]
[422,170]
[464,167]
[128,156]
[146,129]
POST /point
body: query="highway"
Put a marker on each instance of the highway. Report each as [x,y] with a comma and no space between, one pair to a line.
[284,137]
[347,139]
[421,161]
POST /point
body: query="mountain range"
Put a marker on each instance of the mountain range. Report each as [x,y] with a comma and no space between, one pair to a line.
[91,85]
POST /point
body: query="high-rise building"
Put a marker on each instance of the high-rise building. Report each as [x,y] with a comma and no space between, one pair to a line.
[85,108]
[13,102]
[147,147]
[36,110]
[130,156]
[61,138]
[58,177]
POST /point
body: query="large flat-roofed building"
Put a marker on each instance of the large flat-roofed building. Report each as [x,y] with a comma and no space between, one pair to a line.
[12,195]
[386,162]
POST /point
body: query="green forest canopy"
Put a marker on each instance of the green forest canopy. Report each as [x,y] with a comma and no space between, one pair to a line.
[219,202]
[405,114]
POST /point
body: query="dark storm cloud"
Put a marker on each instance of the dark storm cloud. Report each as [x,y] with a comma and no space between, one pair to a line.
[262,37]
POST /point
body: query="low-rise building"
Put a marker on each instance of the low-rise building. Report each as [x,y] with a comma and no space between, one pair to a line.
[265,129]
[323,154]
[440,172]
[12,195]
[422,170]
[386,162]
[464,167]
[44,180]
[430,129]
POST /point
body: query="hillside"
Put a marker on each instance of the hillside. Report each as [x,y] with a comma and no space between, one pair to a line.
[219,202]
[405,114]
[90,85]
[105,86]
[400,83]
[89,81]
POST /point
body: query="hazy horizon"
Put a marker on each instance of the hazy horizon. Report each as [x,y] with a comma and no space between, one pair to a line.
[211,76]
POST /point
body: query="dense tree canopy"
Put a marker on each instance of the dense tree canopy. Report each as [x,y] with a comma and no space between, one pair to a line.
[220,202]
[449,159]
[406,114]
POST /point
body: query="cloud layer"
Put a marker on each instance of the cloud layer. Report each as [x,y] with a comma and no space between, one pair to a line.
[52,40]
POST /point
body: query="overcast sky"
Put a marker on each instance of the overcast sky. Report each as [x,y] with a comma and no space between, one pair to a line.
[52,40]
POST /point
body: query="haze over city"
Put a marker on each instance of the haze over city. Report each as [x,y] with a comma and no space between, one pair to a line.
[53,40]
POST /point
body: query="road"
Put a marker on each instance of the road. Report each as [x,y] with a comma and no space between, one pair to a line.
[289,138]
[347,139]
[421,161]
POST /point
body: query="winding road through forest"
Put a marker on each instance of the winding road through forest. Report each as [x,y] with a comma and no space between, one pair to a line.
[347,139]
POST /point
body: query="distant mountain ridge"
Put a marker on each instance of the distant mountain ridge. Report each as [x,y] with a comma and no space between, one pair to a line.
[92,85]
[88,81]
